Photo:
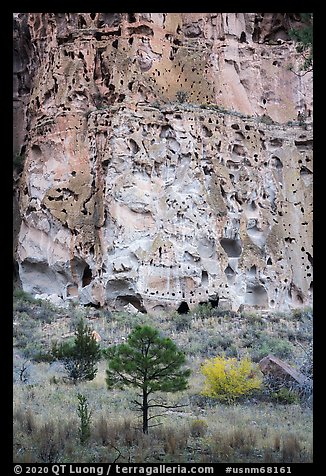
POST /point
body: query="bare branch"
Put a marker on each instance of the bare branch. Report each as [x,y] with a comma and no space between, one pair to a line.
[303,73]
[156,416]
[167,406]
[157,400]
[157,424]
[123,378]
[117,449]
[136,403]
[23,376]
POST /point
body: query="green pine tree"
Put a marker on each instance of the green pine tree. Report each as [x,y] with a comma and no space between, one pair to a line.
[81,356]
[85,416]
[150,363]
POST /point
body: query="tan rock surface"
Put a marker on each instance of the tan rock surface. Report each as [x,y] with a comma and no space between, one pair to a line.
[129,196]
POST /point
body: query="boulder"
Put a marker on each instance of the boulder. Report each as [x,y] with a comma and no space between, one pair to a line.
[273,366]
[131,309]
[96,336]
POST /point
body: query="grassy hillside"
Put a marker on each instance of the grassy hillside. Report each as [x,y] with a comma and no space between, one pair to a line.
[254,430]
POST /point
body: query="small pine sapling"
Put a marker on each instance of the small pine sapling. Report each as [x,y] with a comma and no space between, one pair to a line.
[85,416]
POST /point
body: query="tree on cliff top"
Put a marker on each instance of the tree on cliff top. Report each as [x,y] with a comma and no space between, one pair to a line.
[304,38]
[150,363]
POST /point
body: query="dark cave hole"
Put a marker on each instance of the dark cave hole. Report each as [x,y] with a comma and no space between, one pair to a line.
[92,304]
[87,276]
[82,22]
[131,17]
[243,37]
[232,247]
[183,308]
[204,277]
[37,150]
[310,258]
[212,302]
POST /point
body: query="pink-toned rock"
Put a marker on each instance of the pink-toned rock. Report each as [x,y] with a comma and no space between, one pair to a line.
[96,336]
[131,196]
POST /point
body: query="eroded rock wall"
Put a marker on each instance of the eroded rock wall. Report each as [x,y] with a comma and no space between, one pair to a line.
[164,161]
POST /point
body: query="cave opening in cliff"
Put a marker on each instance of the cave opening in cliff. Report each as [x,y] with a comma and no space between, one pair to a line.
[256,295]
[131,17]
[232,247]
[94,305]
[87,276]
[204,277]
[213,302]
[133,300]
[243,38]
[183,308]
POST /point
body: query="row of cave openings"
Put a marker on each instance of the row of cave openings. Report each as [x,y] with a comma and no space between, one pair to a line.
[184,307]
[257,292]
[233,249]
[136,302]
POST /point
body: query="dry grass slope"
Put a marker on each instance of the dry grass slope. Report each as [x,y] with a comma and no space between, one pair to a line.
[256,430]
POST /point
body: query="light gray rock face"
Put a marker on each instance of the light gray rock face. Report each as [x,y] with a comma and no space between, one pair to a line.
[130,199]
[207,207]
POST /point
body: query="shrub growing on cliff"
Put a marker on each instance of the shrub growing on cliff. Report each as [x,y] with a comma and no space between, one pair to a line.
[228,379]
[304,38]
[81,356]
[181,96]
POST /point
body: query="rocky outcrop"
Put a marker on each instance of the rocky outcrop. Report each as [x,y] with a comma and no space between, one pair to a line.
[282,371]
[164,163]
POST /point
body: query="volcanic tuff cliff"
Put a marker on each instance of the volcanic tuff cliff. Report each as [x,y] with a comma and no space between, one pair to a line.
[164,163]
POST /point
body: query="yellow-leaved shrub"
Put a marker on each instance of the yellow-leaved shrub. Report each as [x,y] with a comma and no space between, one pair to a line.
[229,378]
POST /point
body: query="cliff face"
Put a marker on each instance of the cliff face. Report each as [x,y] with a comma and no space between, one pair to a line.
[164,161]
